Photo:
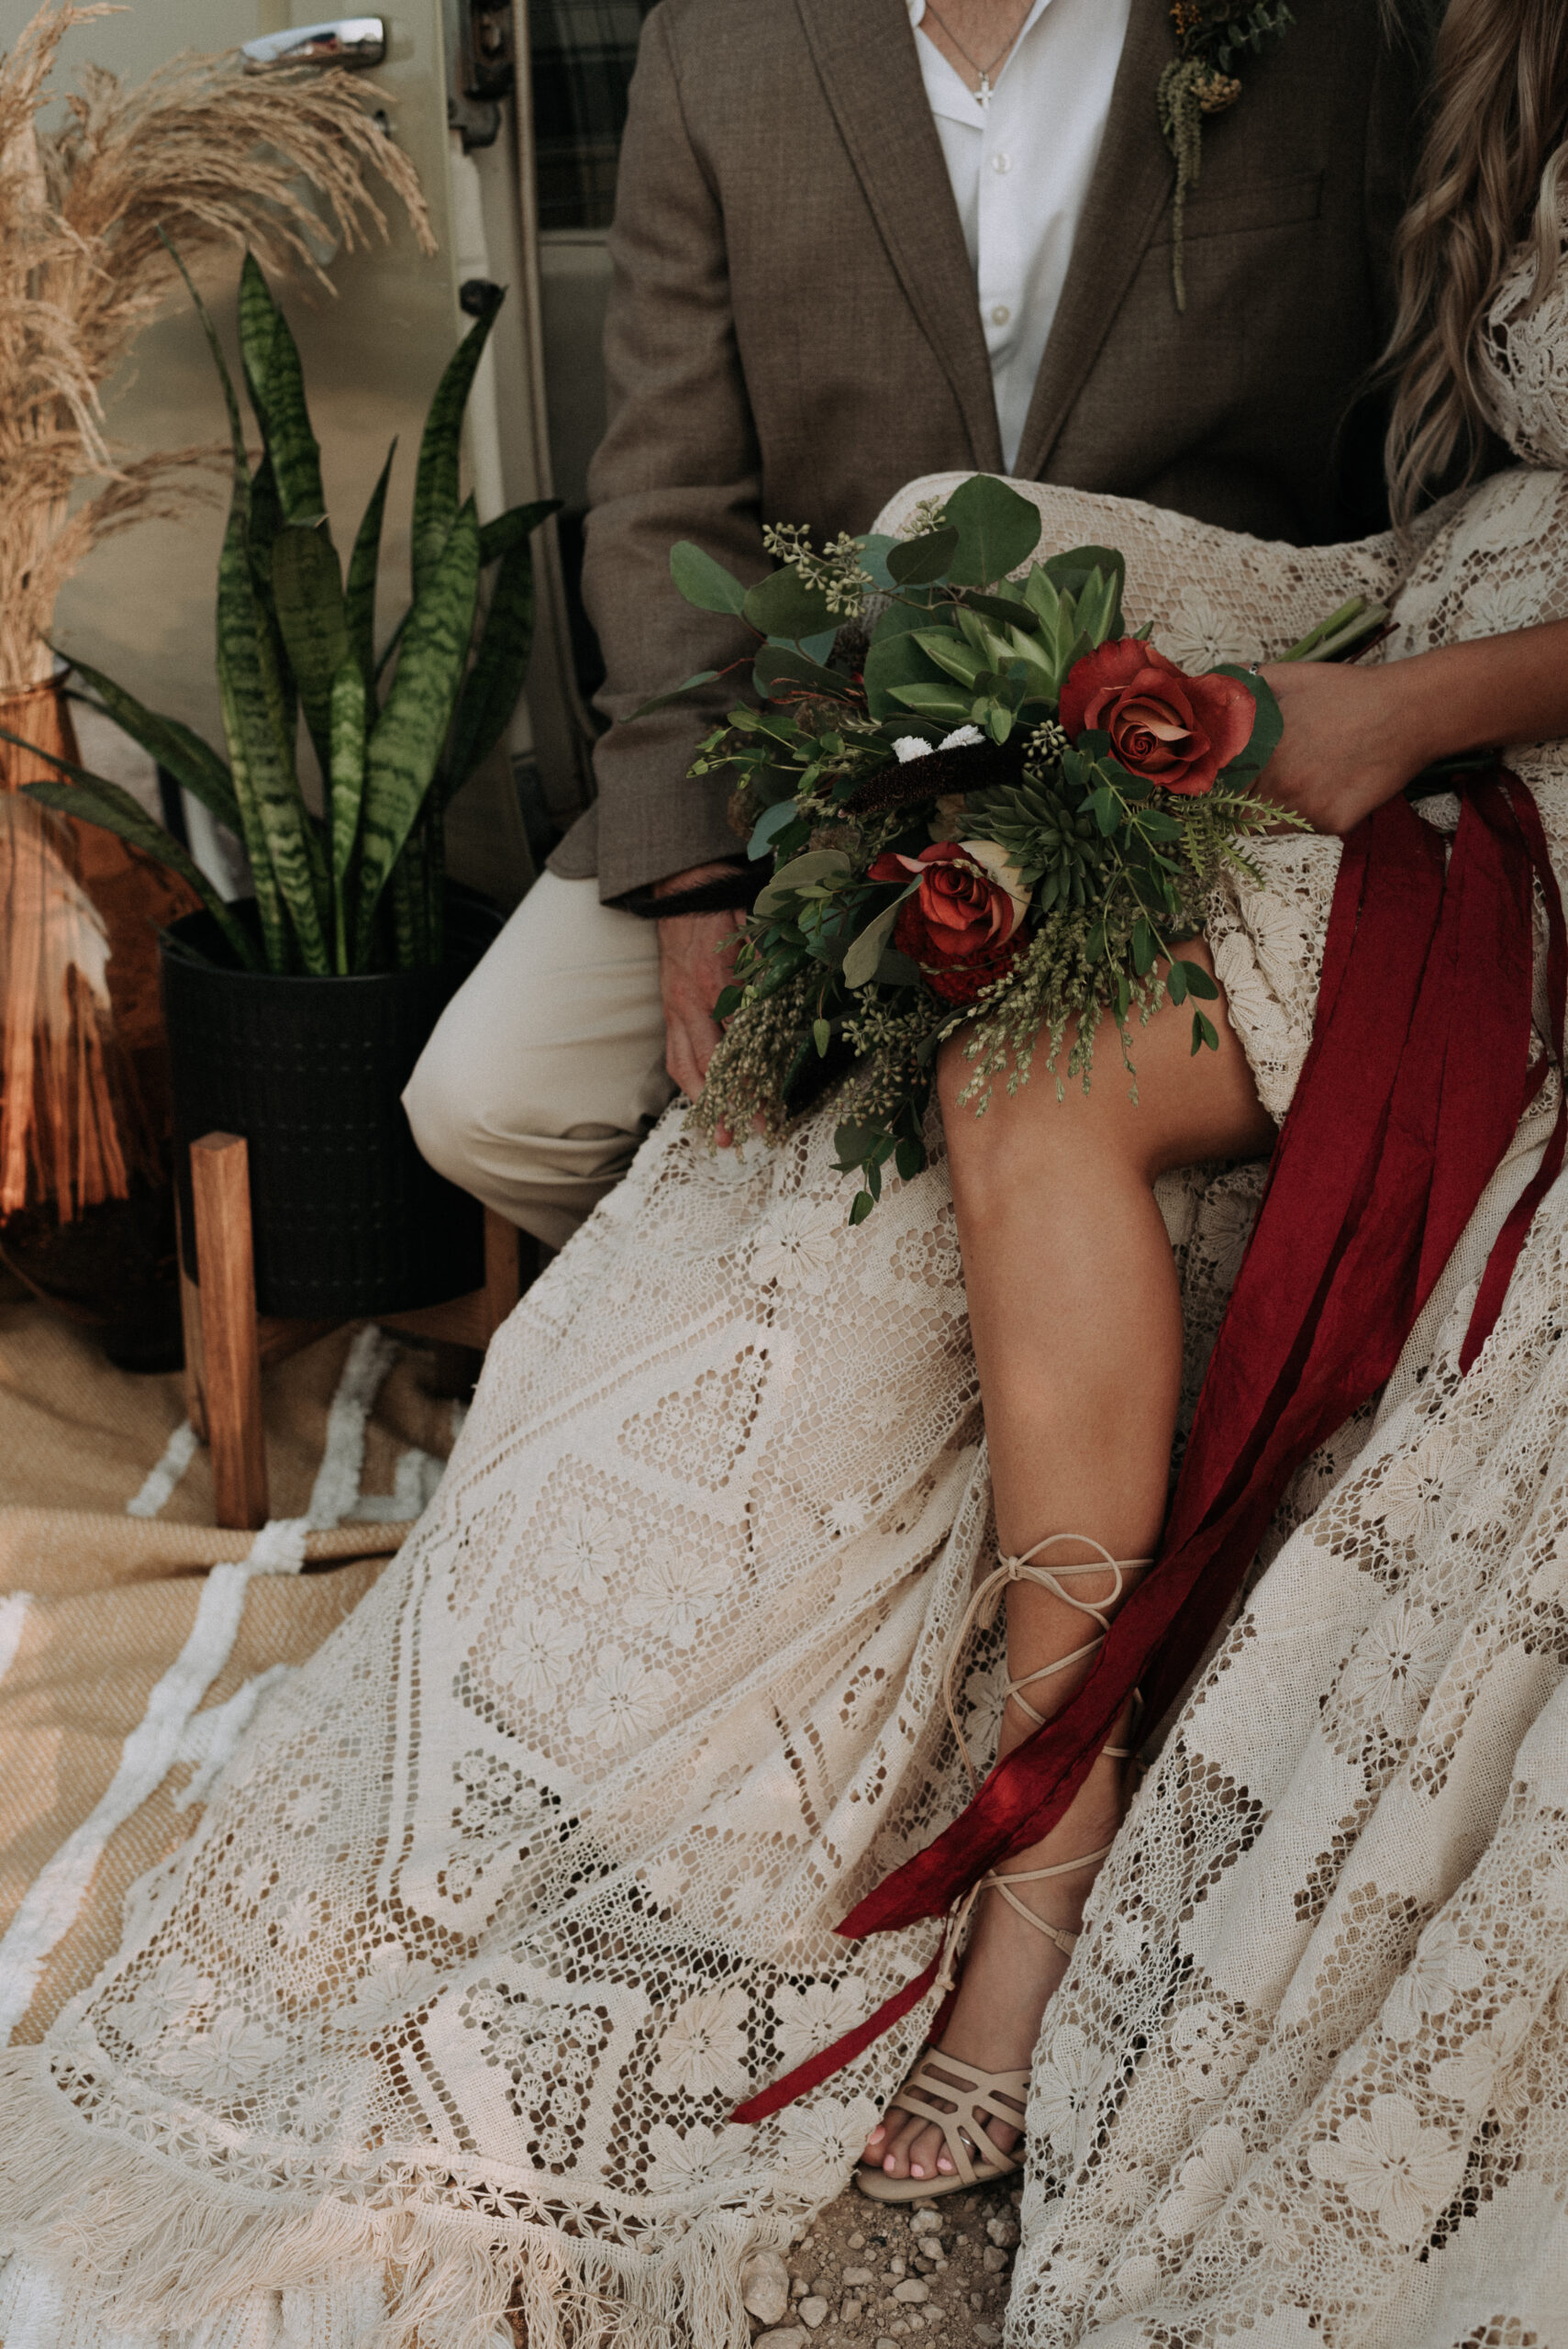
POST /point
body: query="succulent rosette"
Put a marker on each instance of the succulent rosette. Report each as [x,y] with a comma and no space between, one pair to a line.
[980,804]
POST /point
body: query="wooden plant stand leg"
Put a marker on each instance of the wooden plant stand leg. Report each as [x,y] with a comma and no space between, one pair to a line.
[231,1350]
[191,1330]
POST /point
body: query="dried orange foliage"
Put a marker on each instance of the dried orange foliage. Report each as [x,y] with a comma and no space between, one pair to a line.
[214,157]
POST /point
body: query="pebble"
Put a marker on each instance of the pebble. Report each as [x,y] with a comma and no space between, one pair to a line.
[787,2336]
[857,2242]
[764,2287]
[927,2220]
[798,2287]
[989,2333]
[1003,2232]
[812,2311]
[994,2259]
[859,2275]
[882,2342]
[850,2311]
[912,2290]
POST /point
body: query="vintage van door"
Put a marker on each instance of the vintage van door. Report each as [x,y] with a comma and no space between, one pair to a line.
[143,607]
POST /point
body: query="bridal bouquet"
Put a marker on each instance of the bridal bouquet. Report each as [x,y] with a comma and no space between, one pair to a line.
[987,806]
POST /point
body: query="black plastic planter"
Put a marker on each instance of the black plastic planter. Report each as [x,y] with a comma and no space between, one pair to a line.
[347,1217]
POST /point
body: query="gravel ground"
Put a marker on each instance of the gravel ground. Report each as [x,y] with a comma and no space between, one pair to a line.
[890,2277]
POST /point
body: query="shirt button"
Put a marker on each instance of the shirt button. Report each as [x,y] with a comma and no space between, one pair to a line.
[1000,314]
[1001,162]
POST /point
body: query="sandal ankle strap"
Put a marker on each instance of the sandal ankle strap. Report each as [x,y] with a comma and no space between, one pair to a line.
[982,1611]
[1064,1937]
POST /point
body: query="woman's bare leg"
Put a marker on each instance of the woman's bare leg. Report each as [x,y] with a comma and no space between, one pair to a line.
[1077,1332]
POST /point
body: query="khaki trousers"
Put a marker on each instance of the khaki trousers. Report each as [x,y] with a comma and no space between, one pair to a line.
[546,1067]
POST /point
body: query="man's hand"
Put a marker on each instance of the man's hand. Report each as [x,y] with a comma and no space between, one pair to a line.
[697,958]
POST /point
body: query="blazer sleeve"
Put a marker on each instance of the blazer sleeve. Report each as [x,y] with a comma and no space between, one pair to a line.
[679,460]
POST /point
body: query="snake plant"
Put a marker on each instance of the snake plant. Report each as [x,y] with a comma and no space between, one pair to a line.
[361,886]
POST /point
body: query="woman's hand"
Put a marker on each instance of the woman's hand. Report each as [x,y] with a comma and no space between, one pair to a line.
[1352,738]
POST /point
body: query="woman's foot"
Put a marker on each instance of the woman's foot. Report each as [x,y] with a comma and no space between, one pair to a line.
[1009,1973]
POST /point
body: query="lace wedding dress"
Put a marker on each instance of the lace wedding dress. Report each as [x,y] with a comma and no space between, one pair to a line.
[513,1892]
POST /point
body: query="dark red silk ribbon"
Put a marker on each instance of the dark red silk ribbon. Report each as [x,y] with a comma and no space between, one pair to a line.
[1415,1083]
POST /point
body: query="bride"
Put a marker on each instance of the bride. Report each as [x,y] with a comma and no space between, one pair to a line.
[517,1890]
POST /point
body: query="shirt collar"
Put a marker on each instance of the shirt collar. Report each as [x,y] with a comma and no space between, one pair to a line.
[960,92]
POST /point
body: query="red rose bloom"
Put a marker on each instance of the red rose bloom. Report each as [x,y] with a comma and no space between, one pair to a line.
[962,926]
[1173,729]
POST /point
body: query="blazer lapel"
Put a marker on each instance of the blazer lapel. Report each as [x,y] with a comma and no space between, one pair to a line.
[1126,195]
[864,54]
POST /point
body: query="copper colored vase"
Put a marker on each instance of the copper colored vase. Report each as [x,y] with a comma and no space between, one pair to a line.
[86,1214]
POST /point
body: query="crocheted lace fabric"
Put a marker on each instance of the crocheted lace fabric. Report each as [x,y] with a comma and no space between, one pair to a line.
[532,1871]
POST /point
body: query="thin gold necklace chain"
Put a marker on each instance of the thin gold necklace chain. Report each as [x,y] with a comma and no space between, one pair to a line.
[985,72]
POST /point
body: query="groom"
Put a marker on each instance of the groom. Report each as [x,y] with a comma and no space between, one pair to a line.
[857,241]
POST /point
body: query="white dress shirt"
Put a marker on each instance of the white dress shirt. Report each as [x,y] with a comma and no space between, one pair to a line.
[1020,168]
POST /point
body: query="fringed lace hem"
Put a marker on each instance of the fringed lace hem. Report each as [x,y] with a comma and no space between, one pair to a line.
[113,2247]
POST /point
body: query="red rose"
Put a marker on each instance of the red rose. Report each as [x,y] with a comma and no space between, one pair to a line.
[964,924]
[1177,730]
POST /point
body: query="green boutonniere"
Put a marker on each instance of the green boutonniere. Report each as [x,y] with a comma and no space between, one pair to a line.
[1210,36]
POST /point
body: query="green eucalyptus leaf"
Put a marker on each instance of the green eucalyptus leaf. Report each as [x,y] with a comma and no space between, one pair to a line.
[1143,946]
[769,825]
[1268,724]
[860,963]
[894,659]
[406,742]
[436,476]
[860,1206]
[1199,981]
[780,664]
[705,582]
[874,551]
[364,566]
[783,606]
[997,530]
[817,865]
[920,562]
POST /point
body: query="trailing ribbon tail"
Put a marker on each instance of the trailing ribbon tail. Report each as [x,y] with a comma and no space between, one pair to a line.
[1510,1241]
[1408,1103]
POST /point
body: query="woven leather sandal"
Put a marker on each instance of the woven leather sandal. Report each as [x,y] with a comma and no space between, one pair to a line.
[979,2096]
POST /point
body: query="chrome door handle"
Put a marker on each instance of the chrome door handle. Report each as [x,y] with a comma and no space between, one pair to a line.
[346,41]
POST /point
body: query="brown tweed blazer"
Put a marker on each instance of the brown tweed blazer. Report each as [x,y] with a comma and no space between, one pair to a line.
[794,331]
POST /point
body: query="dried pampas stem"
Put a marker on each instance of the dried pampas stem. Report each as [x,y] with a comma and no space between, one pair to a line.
[212,157]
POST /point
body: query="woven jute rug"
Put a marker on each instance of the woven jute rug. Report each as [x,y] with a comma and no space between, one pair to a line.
[135,1637]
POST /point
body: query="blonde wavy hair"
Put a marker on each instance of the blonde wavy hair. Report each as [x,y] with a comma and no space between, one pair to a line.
[1490,172]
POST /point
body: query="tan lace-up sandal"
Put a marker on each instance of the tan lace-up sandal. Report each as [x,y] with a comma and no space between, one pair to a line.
[960,2105]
